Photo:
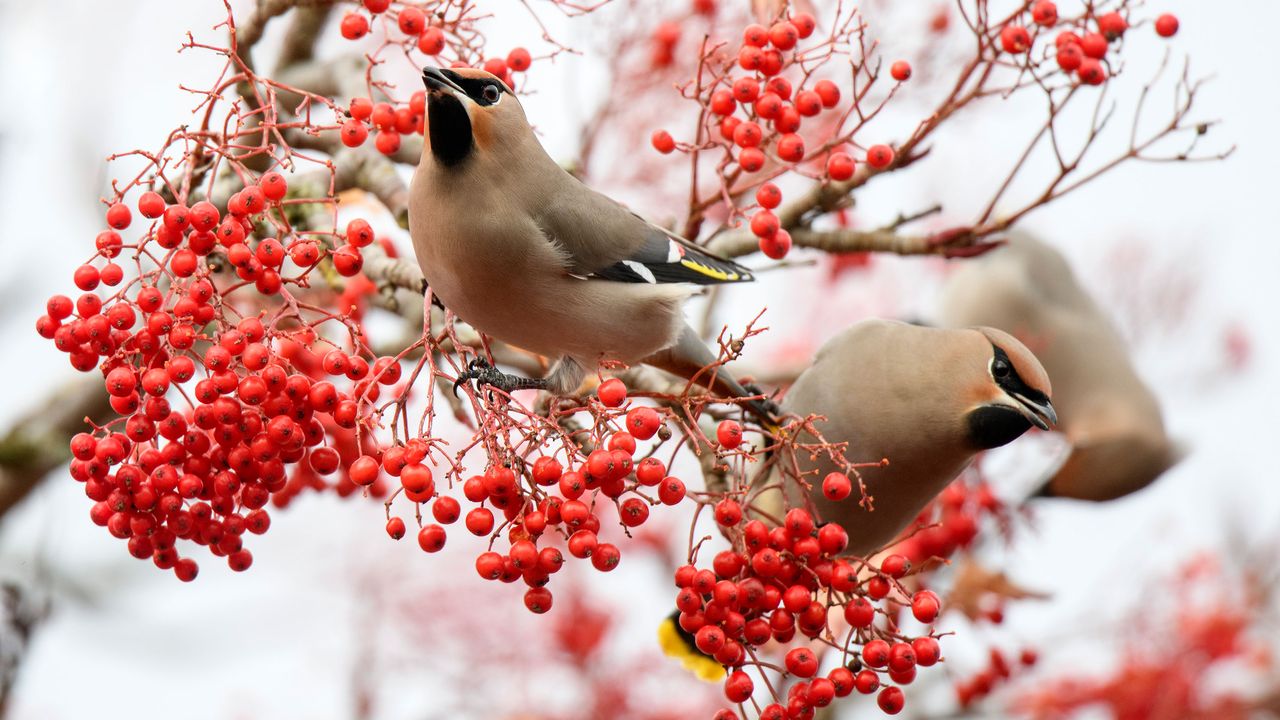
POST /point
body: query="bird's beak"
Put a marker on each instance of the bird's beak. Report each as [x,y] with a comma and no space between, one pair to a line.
[438,82]
[1041,414]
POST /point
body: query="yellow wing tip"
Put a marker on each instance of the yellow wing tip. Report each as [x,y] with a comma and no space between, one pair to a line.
[711,272]
[676,646]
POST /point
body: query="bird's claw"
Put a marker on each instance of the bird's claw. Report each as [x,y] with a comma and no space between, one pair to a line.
[480,370]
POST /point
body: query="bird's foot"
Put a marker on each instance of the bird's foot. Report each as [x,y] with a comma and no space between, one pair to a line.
[765,408]
[483,373]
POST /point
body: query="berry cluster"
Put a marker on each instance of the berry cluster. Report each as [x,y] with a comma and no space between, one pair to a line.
[1081,47]
[205,358]
[788,581]
[759,111]
[542,501]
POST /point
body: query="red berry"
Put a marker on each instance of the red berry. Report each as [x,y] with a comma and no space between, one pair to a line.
[1044,13]
[836,486]
[840,166]
[479,521]
[1069,57]
[412,21]
[745,90]
[751,159]
[671,491]
[867,682]
[387,142]
[895,566]
[1015,39]
[662,141]
[925,606]
[119,216]
[747,135]
[612,392]
[808,103]
[274,186]
[805,24]
[728,512]
[880,156]
[890,700]
[364,470]
[859,613]
[876,653]
[801,662]
[927,651]
[354,26]
[519,59]
[828,92]
[395,528]
[900,70]
[1094,45]
[729,434]
[1112,25]
[538,600]
[431,41]
[1091,72]
[353,133]
[605,557]
[738,687]
[769,196]
[784,35]
[151,205]
[1167,25]
[791,148]
[777,246]
[755,35]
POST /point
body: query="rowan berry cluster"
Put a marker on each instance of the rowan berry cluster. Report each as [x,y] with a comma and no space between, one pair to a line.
[219,384]
[792,581]
[1082,43]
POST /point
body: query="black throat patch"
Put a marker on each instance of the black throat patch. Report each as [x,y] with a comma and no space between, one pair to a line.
[991,426]
[449,129]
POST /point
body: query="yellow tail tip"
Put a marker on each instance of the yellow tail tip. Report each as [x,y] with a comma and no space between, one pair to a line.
[678,644]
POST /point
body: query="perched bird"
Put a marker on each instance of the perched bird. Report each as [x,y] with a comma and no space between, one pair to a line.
[523,251]
[1111,418]
[927,400]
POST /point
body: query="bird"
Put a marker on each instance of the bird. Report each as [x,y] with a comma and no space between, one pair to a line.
[523,251]
[924,399]
[1109,415]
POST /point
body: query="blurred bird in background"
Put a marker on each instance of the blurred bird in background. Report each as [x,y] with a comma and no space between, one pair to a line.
[1111,418]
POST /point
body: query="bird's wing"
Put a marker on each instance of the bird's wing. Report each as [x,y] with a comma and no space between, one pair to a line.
[604,240]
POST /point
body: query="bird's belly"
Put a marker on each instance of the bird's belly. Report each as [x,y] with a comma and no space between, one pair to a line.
[530,302]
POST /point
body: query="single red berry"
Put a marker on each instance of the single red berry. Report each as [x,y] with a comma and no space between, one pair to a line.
[769,196]
[747,135]
[354,26]
[612,392]
[867,682]
[387,142]
[902,657]
[755,35]
[1112,25]
[119,216]
[151,205]
[1070,56]
[377,6]
[1167,25]
[859,613]
[805,24]
[662,141]
[728,512]
[606,557]
[808,103]
[828,92]
[412,21]
[927,651]
[671,491]
[729,434]
[801,662]
[880,156]
[836,486]
[791,148]
[538,600]
[1094,45]
[925,606]
[1044,13]
[900,70]
[890,700]
[1091,72]
[751,159]
[840,166]
[353,133]
[519,59]
[431,41]
[738,687]
[777,246]
[784,35]
[895,566]
[364,470]
[479,521]
[1015,39]
[876,653]
[395,528]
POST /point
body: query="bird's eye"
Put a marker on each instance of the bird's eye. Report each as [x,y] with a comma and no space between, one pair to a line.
[491,94]
[1000,368]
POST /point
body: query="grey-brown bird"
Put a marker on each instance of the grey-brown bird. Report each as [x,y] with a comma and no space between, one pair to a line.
[1111,418]
[927,400]
[526,253]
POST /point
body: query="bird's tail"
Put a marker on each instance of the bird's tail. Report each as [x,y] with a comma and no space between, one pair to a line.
[689,357]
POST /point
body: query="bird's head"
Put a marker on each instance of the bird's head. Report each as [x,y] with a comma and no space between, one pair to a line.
[1013,394]
[469,111]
